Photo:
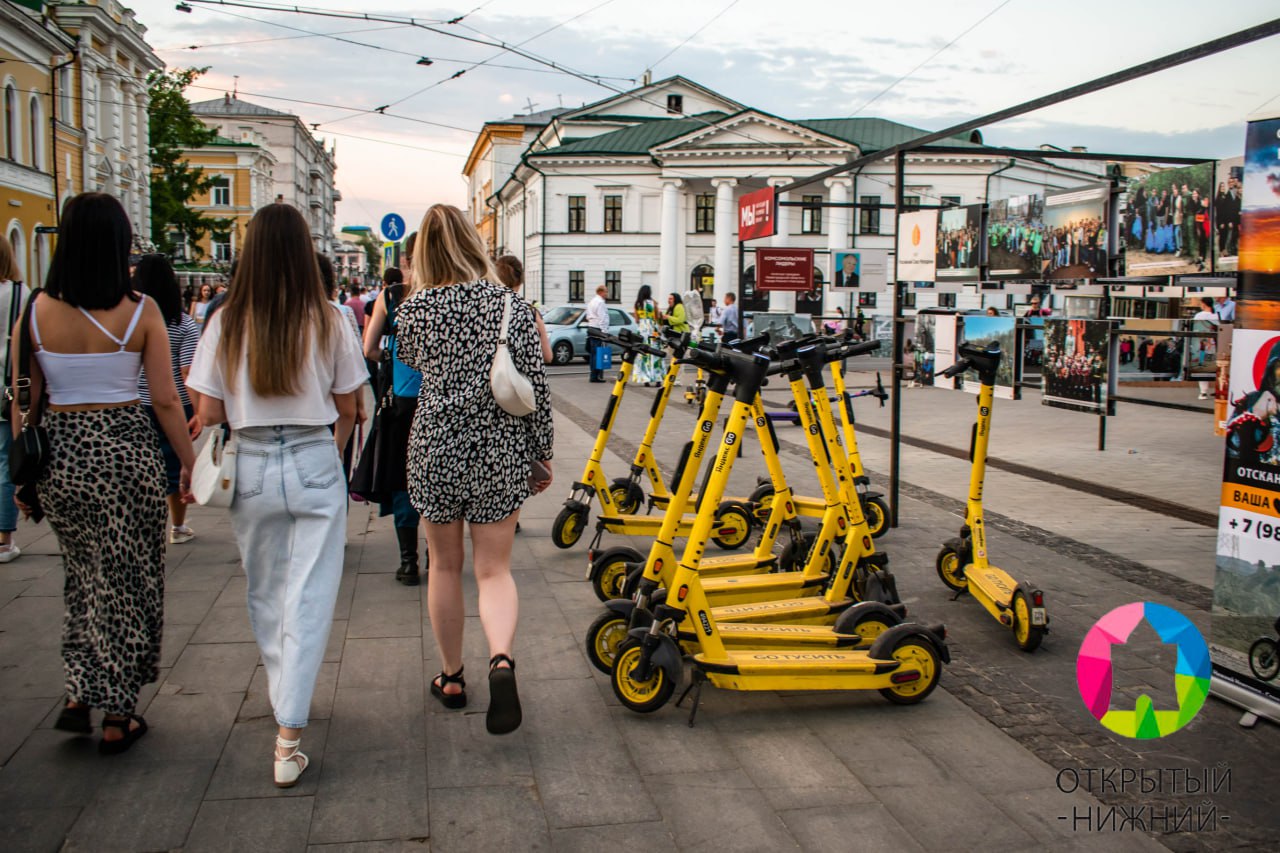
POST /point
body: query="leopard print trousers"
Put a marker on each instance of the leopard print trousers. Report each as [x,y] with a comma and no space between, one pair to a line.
[104,495]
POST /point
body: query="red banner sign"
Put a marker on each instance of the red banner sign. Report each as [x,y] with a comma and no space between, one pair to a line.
[755,214]
[784,269]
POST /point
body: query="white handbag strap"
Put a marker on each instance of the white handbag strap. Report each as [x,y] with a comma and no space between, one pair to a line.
[506,320]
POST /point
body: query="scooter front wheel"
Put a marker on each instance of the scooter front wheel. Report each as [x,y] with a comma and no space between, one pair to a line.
[950,570]
[643,697]
[567,529]
[1026,635]
[606,634]
[1264,658]
[609,572]
[876,512]
[762,500]
[627,496]
[733,525]
[914,652]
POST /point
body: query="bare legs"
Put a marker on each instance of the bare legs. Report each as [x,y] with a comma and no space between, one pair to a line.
[177,511]
[499,603]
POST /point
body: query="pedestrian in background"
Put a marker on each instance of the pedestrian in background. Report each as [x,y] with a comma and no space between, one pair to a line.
[329,281]
[597,318]
[1205,320]
[279,366]
[356,304]
[154,277]
[103,487]
[13,299]
[469,460]
[398,388]
[200,306]
[648,369]
[511,273]
[730,321]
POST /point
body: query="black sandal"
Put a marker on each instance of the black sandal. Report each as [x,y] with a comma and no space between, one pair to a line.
[74,720]
[504,715]
[115,747]
[450,700]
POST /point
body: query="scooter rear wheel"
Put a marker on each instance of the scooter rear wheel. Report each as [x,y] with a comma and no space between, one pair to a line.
[916,652]
[627,496]
[762,500]
[568,527]
[606,634]
[733,525]
[950,570]
[1264,659]
[643,697]
[877,514]
[609,572]
[1026,635]
[867,619]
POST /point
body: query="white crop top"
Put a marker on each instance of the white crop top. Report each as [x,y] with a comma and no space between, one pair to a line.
[87,378]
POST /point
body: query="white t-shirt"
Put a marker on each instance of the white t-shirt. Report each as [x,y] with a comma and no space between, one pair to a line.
[340,370]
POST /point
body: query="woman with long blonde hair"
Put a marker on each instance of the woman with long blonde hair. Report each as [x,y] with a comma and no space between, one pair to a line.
[468,459]
[278,365]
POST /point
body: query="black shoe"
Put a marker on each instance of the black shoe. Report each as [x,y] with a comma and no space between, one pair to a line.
[75,720]
[504,715]
[115,747]
[452,701]
[407,574]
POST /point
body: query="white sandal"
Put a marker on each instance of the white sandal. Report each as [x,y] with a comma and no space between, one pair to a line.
[289,767]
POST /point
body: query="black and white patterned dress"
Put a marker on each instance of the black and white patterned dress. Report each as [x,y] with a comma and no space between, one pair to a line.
[468,459]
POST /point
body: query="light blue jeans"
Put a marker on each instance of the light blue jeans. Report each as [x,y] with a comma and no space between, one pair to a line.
[8,509]
[289,520]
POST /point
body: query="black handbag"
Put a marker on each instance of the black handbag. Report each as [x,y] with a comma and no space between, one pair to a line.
[29,453]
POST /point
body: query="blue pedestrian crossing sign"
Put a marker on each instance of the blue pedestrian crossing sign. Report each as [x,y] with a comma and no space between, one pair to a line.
[393,227]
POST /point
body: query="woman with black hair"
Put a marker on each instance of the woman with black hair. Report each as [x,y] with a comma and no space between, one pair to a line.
[103,487]
[154,277]
[649,369]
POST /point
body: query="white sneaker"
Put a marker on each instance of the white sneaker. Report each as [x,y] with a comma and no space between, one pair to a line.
[180,533]
[288,767]
[10,552]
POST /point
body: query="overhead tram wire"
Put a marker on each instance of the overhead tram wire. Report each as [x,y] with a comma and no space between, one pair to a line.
[276,38]
[695,34]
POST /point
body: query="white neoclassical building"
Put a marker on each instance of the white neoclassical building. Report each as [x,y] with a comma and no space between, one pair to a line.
[642,188]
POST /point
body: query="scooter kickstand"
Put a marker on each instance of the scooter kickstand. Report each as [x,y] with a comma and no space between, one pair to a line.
[959,592]
[695,685]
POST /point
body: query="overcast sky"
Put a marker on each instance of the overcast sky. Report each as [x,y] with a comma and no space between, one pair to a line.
[814,59]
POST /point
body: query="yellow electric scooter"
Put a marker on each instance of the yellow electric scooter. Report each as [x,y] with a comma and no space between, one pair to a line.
[963,562]
[736,518]
[904,663]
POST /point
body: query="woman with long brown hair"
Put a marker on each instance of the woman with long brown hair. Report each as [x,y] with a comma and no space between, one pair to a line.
[278,365]
[469,460]
[103,488]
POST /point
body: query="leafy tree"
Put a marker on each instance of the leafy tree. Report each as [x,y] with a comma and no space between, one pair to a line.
[372,249]
[174,181]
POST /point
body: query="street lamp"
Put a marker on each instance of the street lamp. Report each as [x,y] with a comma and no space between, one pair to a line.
[425,61]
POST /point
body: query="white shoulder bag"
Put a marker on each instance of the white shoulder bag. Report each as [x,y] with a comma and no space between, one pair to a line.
[213,481]
[511,389]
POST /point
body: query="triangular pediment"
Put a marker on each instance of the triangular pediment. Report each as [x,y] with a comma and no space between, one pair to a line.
[651,102]
[755,130]
[104,167]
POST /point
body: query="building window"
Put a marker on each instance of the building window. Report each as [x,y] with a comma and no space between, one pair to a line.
[220,192]
[910,202]
[11,122]
[613,285]
[811,214]
[951,201]
[37,128]
[612,213]
[866,300]
[704,213]
[577,284]
[221,247]
[577,214]
[909,299]
[869,215]
[675,104]
[946,300]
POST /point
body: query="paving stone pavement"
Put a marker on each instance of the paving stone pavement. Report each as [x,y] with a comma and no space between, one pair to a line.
[976,765]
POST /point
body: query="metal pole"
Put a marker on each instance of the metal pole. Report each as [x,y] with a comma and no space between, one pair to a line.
[895,440]
[1102,431]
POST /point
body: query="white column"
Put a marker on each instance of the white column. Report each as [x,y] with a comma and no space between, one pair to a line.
[669,243]
[726,220]
[781,300]
[837,236]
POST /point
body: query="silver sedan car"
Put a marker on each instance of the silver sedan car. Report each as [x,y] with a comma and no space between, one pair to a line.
[567,329]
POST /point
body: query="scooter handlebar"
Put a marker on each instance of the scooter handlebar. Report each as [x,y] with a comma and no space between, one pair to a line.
[849,350]
[956,369]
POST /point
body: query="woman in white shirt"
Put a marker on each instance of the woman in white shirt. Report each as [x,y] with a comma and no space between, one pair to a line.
[278,365]
[200,305]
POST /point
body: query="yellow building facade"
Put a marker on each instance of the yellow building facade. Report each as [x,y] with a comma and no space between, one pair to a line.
[243,181]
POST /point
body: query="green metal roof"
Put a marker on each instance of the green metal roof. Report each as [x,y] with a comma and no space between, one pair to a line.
[635,140]
[873,134]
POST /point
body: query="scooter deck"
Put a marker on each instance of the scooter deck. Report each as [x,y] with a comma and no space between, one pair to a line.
[744,589]
[724,565]
[795,662]
[651,525]
[814,610]
[768,636]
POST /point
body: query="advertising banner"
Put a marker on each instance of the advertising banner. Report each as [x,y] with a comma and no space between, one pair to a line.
[959,243]
[1227,207]
[917,245]
[983,329]
[1074,232]
[1014,238]
[1167,222]
[920,348]
[945,335]
[1077,365]
[1245,636]
[755,214]
[784,269]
